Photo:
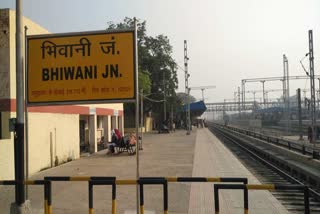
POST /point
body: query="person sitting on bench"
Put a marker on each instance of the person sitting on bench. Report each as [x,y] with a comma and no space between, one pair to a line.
[116,138]
[132,139]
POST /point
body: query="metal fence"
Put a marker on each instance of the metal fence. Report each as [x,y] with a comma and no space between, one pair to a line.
[113,182]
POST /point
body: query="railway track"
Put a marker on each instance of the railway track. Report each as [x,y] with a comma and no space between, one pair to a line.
[268,173]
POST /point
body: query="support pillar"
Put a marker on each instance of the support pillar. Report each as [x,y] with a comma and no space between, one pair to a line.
[120,124]
[93,133]
[106,130]
[312,87]
[114,124]
[109,128]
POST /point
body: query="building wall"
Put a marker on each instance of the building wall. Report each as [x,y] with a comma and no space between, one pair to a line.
[4,56]
[6,160]
[33,29]
[53,139]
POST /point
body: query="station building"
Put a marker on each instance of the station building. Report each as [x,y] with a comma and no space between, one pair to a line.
[55,134]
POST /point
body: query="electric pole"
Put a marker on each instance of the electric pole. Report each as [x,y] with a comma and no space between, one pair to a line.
[187,90]
[286,90]
[263,94]
[299,113]
[313,105]
[202,88]
[164,99]
[239,108]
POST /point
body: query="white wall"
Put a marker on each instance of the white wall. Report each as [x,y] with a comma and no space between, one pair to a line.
[57,131]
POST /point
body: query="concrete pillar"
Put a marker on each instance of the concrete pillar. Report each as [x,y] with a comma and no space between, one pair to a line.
[93,133]
[120,124]
[100,121]
[106,129]
[109,126]
[114,122]
[117,122]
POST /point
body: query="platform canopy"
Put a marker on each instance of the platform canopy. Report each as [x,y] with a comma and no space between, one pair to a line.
[196,109]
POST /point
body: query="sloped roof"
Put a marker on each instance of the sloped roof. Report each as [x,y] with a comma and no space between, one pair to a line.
[197,107]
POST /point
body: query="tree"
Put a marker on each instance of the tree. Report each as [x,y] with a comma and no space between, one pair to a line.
[183,97]
[157,69]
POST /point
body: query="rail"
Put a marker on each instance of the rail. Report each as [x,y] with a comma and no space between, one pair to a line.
[290,145]
[271,165]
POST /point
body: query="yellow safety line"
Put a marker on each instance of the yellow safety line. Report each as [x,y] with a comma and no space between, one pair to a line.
[171,179]
[113,206]
[91,211]
[262,186]
[126,182]
[84,178]
[213,179]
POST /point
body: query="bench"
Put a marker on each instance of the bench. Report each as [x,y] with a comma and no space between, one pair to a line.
[124,146]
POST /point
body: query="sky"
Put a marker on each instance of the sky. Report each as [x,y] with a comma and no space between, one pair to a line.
[228,40]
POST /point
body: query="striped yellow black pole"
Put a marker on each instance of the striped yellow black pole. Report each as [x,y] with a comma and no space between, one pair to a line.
[49,198]
[113,206]
[246,198]
[80,178]
[90,191]
[46,198]
[171,179]
[261,186]
[141,199]
[29,182]
[46,192]
[213,179]
[114,198]
[216,200]
[91,211]
[126,182]
[165,197]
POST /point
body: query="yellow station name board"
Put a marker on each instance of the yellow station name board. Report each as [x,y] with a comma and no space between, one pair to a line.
[82,68]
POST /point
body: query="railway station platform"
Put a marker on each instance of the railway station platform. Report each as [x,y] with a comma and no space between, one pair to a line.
[213,159]
[176,154]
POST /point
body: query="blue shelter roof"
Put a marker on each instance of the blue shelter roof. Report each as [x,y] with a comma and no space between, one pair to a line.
[196,107]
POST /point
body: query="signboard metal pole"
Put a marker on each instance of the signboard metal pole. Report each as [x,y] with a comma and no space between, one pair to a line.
[26,115]
[137,111]
[19,129]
